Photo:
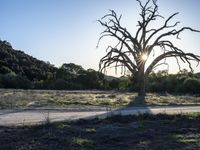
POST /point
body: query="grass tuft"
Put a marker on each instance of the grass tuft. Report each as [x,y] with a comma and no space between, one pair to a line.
[76,141]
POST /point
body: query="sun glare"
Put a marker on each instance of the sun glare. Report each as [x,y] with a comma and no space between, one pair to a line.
[144,57]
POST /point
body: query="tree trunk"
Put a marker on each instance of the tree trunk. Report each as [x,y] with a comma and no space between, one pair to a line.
[141,81]
[141,84]
[140,98]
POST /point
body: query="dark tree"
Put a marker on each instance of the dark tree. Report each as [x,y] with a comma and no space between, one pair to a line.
[132,51]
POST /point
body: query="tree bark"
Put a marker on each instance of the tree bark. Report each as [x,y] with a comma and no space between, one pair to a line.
[141,82]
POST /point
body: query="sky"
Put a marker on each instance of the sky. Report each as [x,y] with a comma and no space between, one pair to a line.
[66,31]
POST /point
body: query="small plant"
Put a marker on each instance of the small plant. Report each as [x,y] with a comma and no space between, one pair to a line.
[187,140]
[112,96]
[184,138]
[90,130]
[141,123]
[100,96]
[121,101]
[46,118]
[81,142]
[61,125]
[145,142]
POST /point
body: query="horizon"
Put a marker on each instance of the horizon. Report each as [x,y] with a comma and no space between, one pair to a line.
[67,32]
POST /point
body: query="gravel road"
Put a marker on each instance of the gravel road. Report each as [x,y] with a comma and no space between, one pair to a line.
[38,116]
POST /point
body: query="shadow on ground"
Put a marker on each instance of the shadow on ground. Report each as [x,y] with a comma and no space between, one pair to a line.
[114,133]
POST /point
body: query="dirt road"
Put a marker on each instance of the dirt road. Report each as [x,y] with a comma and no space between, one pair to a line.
[39,116]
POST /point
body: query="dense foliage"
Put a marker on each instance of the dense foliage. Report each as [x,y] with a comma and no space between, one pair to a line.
[19,70]
[22,64]
[182,82]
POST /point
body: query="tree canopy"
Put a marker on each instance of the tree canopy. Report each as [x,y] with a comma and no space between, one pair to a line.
[133,49]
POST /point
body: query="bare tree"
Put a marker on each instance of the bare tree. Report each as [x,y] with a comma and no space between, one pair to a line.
[132,51]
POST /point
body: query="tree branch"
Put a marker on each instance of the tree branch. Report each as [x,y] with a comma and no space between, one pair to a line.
[185,57]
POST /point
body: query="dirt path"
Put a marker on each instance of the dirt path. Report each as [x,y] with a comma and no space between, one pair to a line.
[38,116]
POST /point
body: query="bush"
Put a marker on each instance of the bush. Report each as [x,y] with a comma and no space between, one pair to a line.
[38,84]
[11,80]
[171,84]
[61,84]
[114,84]
[155,87]
[191,85]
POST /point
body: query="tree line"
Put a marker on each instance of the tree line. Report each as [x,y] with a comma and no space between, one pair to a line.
[183,82]
[21,71]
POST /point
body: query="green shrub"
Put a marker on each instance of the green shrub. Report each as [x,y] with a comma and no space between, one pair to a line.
[12,80]
[61,84]
[191,85]
[155,87]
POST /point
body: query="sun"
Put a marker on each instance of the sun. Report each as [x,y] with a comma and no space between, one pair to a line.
[144,57]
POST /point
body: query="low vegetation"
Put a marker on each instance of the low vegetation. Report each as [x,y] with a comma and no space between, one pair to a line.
[180,131]
[51,98]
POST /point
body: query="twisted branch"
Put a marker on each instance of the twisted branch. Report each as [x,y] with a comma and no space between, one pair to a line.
[128,51]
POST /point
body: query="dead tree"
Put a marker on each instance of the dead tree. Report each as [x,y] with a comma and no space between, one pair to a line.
[132,51]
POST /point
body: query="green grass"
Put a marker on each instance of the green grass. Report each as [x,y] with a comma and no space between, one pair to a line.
[180,131]
[187,138]
[61,125]
[52,98]
[80,142]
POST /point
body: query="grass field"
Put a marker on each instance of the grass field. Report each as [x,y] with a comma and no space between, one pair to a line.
[51,98]
[177,132]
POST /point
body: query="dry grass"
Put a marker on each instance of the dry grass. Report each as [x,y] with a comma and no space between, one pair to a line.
[51,98]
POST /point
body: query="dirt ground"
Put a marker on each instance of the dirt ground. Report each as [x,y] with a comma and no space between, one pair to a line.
[116,133]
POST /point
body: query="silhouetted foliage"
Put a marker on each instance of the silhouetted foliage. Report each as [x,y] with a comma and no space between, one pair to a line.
[20,63]
[191,85]
[11,80]
[182,82]
[61,84]
[32,73]
[19,70]
[114,84]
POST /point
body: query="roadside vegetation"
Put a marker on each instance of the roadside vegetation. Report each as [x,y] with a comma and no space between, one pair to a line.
[180,131]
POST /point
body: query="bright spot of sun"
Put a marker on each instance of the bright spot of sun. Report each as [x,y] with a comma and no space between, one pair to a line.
[144,57]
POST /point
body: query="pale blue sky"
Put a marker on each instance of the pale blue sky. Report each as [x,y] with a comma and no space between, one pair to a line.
[64,31]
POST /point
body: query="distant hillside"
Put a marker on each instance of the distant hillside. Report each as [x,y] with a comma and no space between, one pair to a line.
[19,70]
[15,61]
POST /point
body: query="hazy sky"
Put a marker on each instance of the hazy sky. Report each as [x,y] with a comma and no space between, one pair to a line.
[64,31]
